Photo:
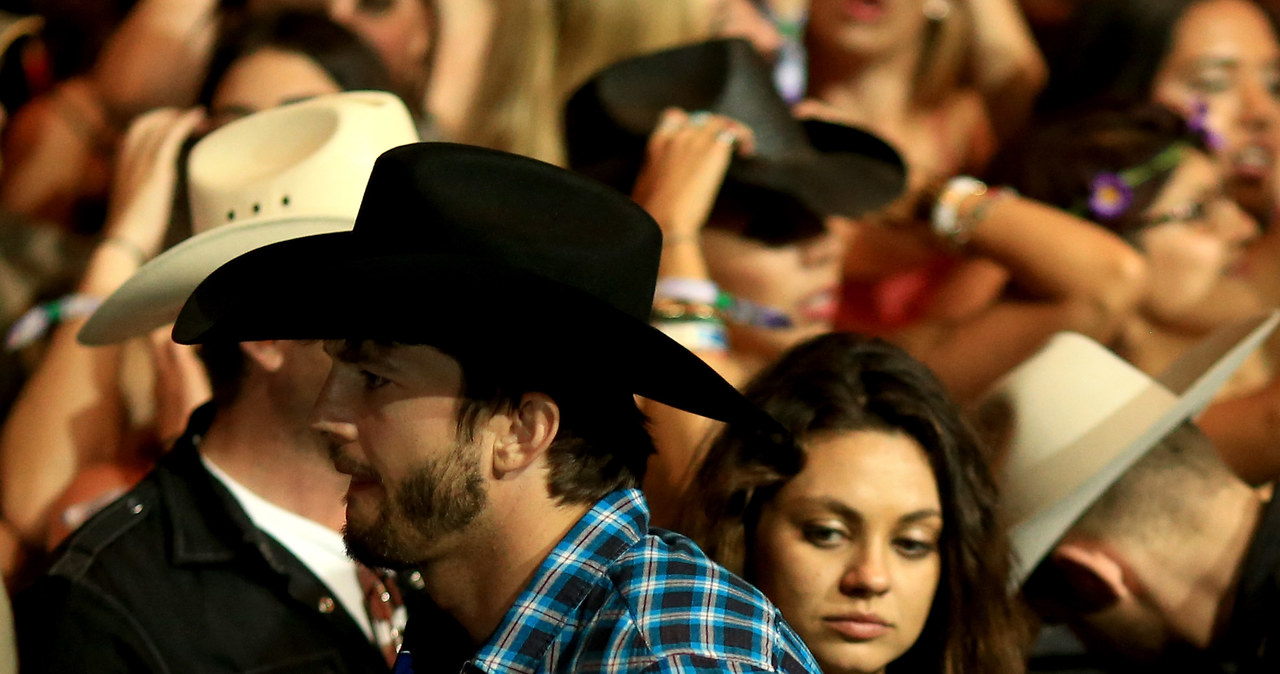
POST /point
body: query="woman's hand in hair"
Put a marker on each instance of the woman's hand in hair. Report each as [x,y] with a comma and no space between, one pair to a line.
[141,199]
[687,157]
[146,174]
[1007,67]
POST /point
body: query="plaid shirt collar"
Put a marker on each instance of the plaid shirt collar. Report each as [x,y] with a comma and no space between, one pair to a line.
[576,565]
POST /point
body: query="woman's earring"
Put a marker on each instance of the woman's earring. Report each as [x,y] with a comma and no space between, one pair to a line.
[937,10]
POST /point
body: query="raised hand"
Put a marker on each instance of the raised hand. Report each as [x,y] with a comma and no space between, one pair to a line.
[146,172]
[685,165]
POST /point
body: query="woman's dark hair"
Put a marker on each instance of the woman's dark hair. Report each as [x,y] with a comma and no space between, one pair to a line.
[351,63]
[1058,163]
[841,383]
[1115,50]
[767,216]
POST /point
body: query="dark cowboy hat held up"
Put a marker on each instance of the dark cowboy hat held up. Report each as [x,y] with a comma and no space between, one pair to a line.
[466,248]
[831,169]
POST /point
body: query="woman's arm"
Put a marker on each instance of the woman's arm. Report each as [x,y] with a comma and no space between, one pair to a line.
[71,412]
[1064,273]
[1008,69]
[1246,432]
[57,152]
[156,57]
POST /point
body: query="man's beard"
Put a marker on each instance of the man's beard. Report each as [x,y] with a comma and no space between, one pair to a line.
[440,497]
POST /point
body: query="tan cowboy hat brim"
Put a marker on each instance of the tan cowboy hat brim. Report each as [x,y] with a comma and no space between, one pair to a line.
[153,296]
[14,27]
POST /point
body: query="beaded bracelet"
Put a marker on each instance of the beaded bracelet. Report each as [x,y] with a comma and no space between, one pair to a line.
[684,298]
[666,309]
[694,336]
[945,221]
[38,320]
[687,289]
[134,250]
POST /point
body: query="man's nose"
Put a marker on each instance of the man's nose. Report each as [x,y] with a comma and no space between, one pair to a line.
[327,415]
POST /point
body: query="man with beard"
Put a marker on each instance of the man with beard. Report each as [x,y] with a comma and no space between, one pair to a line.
[482,400]
[227,556]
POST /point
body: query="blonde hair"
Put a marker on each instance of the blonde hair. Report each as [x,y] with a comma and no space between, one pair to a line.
[541,50]
[594,34]
[514,108]
[945,57]
[944,48]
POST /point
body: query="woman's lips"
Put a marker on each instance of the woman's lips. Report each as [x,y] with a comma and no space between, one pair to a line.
[865,11]
[859,627]
[1255,161]
[820,307]
[1236,267]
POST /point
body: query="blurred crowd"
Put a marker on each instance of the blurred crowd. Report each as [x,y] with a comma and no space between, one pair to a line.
[1003,268]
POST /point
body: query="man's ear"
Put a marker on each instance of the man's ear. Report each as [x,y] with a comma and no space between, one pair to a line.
[1094,578]
[534,423]
[268,353]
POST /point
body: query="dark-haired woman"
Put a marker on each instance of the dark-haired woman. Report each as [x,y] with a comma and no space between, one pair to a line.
[1149,178]
[286,57]
[1044,271]
[1217,62]
[876,535]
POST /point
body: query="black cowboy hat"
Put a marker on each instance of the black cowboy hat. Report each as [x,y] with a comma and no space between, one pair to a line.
[481,251]
[830,169]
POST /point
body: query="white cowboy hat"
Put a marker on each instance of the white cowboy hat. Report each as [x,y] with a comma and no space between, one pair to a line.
[1075,417]
[291,171]
[14,27]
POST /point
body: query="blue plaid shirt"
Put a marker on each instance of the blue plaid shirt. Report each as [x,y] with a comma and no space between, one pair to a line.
[617,596]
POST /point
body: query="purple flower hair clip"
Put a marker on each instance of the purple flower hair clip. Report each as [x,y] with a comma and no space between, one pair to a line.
[1198,123]
[1109,196]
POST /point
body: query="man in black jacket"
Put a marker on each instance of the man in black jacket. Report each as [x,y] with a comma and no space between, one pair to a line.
[228,557]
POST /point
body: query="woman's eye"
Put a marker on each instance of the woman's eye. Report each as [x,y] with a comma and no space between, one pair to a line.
[823,536]
[375,6]
[1273,85]
[912,548]
[1188,213]
[1211,84]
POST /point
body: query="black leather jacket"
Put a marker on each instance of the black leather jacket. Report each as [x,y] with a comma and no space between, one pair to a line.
[174,577]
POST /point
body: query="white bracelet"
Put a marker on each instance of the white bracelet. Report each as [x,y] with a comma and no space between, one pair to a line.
[703,291]
[946,222]
[134,250]
[696,336]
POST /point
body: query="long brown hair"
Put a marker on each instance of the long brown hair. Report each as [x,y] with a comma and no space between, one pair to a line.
[1106,140]
[845,382]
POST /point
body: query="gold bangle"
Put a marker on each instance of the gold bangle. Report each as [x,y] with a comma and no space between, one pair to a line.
[667,309]
[133,249]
